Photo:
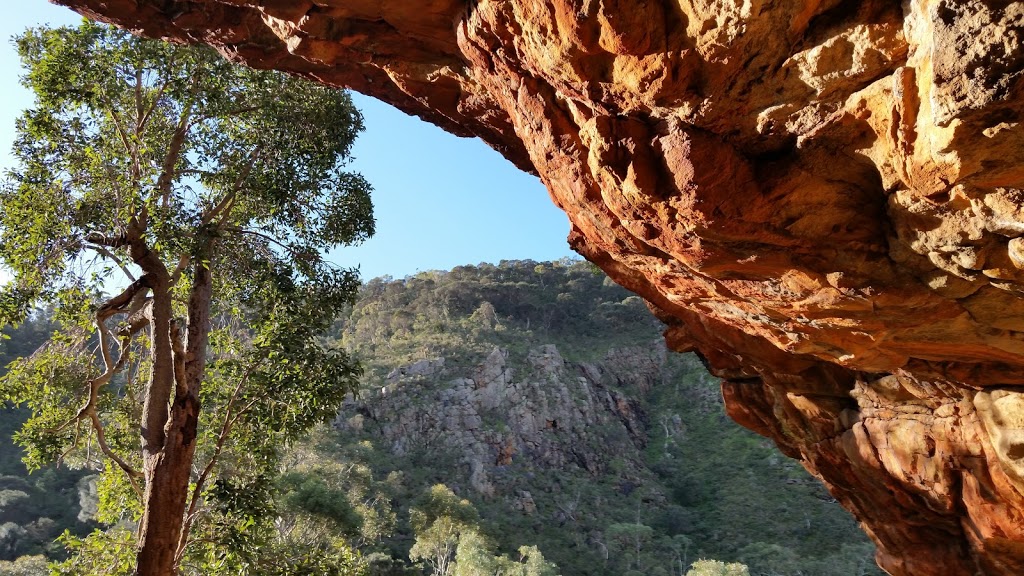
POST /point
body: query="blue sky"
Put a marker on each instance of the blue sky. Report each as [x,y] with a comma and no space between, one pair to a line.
[440,201]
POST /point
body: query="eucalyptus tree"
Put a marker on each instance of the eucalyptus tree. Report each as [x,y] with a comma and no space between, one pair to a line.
[439,519]
[203,196]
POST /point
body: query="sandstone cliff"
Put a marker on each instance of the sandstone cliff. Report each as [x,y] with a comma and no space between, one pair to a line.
[822,198]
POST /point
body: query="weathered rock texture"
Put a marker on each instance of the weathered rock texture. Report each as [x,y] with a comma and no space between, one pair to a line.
[545,412]
[823,198]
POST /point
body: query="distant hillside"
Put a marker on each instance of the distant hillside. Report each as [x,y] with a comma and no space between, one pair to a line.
[544,394]
[34,508]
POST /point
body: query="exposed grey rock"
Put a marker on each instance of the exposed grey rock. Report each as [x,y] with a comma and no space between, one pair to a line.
[540,412]
[420,368]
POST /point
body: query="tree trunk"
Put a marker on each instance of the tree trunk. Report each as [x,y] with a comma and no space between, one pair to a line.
[168,470]
[167,477]
[157,531]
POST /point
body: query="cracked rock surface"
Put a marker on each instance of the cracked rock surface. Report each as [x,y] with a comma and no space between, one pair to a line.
[822,198]
[545,412]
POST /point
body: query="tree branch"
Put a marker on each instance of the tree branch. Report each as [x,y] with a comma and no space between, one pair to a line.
[223,208]
[152,106]
[101,239]
[119,128]
[129,299]
[158,390]
[103,251]
[140,313]
[229,113]
[226,203]
[230,419]
[74,443]
[183,261]
[132,473]
[138,101]
[268,239]
[111,307]
[178,357]
[163,183]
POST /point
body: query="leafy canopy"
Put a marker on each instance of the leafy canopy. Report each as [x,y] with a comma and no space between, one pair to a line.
[125,129]
[208,195]
[450,543]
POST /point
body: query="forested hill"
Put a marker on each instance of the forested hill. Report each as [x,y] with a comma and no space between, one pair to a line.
[465,312]
[543,393]
[511,416]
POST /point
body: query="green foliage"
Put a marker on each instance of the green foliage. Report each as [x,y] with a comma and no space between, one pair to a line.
[337,494]
[48,383]
[52,501]
[630,540]
[169,169]
[124,127]
[280,555]
[760,507]
[532,563]
[384,564]
[462,314]
[110,552]
[25,566]
[440,519]
[311,494]
[474,555]
[449,540]
[717,568]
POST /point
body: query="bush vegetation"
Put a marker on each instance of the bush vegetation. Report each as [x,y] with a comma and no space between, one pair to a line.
[694,486]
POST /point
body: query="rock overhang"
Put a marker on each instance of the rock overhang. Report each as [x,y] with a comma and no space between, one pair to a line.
[824,199]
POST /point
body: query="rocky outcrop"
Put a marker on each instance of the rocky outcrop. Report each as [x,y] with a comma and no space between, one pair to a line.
[541,413]
[822,198]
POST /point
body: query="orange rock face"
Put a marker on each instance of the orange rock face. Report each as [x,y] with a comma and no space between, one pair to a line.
[825,199]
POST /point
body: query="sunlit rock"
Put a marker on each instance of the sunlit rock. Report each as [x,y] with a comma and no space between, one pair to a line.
[822,198]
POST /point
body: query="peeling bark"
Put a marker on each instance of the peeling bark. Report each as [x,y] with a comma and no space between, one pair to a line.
[169,469]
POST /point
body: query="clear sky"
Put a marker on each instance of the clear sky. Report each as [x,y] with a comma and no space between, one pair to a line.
[440,201]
